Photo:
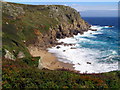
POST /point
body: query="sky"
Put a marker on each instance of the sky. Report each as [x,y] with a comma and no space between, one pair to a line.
[97,9]
[87,8]
[63,0]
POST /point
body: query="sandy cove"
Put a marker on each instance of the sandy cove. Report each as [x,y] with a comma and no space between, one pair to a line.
[48,60]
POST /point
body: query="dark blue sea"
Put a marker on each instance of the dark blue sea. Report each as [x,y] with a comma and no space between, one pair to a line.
[96,51]
[107,37]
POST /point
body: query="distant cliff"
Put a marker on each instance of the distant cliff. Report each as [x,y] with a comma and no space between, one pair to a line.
[38,25]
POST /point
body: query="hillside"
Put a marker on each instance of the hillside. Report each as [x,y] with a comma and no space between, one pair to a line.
[20,75]
[39,26]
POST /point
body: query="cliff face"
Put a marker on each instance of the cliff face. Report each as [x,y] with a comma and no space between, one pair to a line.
[38,25]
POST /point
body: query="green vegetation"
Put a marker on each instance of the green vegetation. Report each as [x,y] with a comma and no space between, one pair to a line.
[21,26]
[23,30]
[17,74]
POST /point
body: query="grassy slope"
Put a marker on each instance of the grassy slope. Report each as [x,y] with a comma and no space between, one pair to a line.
[23,28]
[23,72]
[18,74]
[27,23]
[22,24]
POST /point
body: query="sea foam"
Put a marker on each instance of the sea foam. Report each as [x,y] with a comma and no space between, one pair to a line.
[85,60]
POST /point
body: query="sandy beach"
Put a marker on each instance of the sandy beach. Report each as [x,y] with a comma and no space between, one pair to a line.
[48,60]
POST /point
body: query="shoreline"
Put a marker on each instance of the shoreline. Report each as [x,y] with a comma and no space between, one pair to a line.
[82,64]
[49,60]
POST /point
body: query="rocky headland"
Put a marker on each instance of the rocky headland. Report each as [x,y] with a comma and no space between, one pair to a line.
[29,27]
[27,30]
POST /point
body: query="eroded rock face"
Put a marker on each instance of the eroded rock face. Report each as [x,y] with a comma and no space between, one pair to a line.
[70,24]
[65,30]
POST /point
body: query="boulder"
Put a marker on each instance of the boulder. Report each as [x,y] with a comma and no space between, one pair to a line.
[21,55]
[58,47]
[64,50]
[88,62]
[73,48]
[9,55]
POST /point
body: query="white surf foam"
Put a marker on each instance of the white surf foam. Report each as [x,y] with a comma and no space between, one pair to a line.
[85,60]
[84,40]
[68,40]
[96,27]
[81,58]
[108,26]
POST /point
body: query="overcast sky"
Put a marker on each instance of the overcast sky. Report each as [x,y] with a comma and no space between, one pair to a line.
[87,8]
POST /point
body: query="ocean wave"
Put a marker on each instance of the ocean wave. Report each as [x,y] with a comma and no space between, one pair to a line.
[96,27]
[86,59]
[84,40]
[101,27]
[68,40]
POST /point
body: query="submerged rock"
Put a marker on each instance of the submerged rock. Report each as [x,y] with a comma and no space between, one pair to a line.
[93,29]
[73,48]
[110,26]
[58,47]
[64,50]
[88,62]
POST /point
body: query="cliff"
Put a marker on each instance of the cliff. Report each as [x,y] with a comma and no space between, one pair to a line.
[38,25]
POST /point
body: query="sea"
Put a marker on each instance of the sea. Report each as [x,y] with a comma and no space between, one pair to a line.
[93,51]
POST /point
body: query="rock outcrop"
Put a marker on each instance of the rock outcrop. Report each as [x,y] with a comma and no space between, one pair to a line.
[8,55]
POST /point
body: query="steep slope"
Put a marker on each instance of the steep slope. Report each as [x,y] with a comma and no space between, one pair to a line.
[38,25]
[26,25]
[19,75]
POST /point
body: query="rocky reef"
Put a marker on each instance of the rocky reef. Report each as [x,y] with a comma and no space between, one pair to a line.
[38,25]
